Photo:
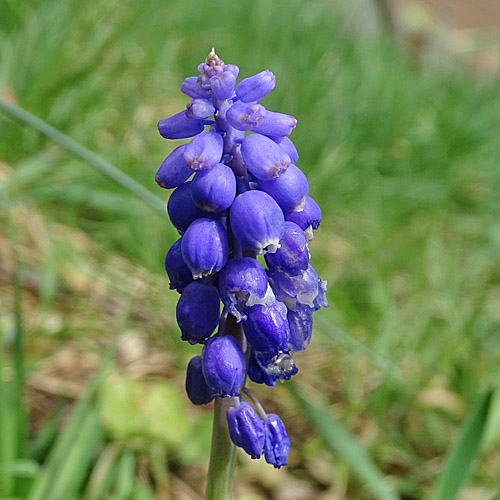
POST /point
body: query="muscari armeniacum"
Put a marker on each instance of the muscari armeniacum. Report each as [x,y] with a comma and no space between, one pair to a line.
[247,197]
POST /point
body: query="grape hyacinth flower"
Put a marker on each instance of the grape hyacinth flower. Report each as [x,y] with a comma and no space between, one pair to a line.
[247,197]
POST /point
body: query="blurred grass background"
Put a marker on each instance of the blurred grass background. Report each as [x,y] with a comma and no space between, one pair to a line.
[401,153]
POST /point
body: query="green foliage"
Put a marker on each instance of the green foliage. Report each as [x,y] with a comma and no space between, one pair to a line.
[464,451]
[344,444]
[144,410]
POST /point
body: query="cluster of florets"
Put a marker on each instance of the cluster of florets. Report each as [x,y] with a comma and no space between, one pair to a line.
[247,198]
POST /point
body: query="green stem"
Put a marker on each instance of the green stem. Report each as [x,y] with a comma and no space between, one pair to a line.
[97,162]
[222,456]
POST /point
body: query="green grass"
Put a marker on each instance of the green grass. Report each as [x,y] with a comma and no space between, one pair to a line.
[402,156]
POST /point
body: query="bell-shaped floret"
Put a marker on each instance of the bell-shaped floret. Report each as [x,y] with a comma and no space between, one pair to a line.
[256,87]
[204,151]
[243,280]
[246,429]
[263,157]
[306,288]
[308,218]
[197,388]
[181,208]
[255,117]
[193,87]
[276,124]
[288,146]
[288,190]
[214,190]
[222,84]
[174,170]
[257,221]
[257,372]
[200,108]
[232,68]
[277,442]
[178,272]
[292,256]
[300,322]
[198,312]
[263,369]
[204,247]
[266,328]
[223,364]
[245,116]
[179,126]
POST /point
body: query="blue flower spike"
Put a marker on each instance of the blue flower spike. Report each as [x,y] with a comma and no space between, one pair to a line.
[238,191]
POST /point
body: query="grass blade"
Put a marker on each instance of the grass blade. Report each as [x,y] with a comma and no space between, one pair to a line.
[65,443]
[342,442]
[464,451]
[97,162]
[126,476]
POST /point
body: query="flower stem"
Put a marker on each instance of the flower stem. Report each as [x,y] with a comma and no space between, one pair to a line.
[222,456]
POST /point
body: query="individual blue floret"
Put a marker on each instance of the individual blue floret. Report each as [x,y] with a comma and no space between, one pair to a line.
[181,208]
[288,190]
[266,328]
[257,221]
[214,190]
[204,247]
[200,108]
[174,170]
[246,429]
[256,87]
[300,322]
[197,388]
[179,126]
[178,272]
[223,364]
[277,442]
[292,256]
[263,157]
[242,281]
[308,218]
[204,151]
[198,311]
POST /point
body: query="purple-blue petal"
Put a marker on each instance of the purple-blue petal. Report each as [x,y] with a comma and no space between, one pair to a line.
[292,256]
[214,190]
[263,157]
[223,364]
[242,279]
[246,429]
[266,328]
[204,151]
[277,442]
[257,221]
[309,216]
[192,87]
[288,146]
[178,272]
[181,208]
[288,190]
[197,389]
[198,311]
[205,247]
[222,84]
[256,87]
[179,126]
[200,108]
[174,170]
